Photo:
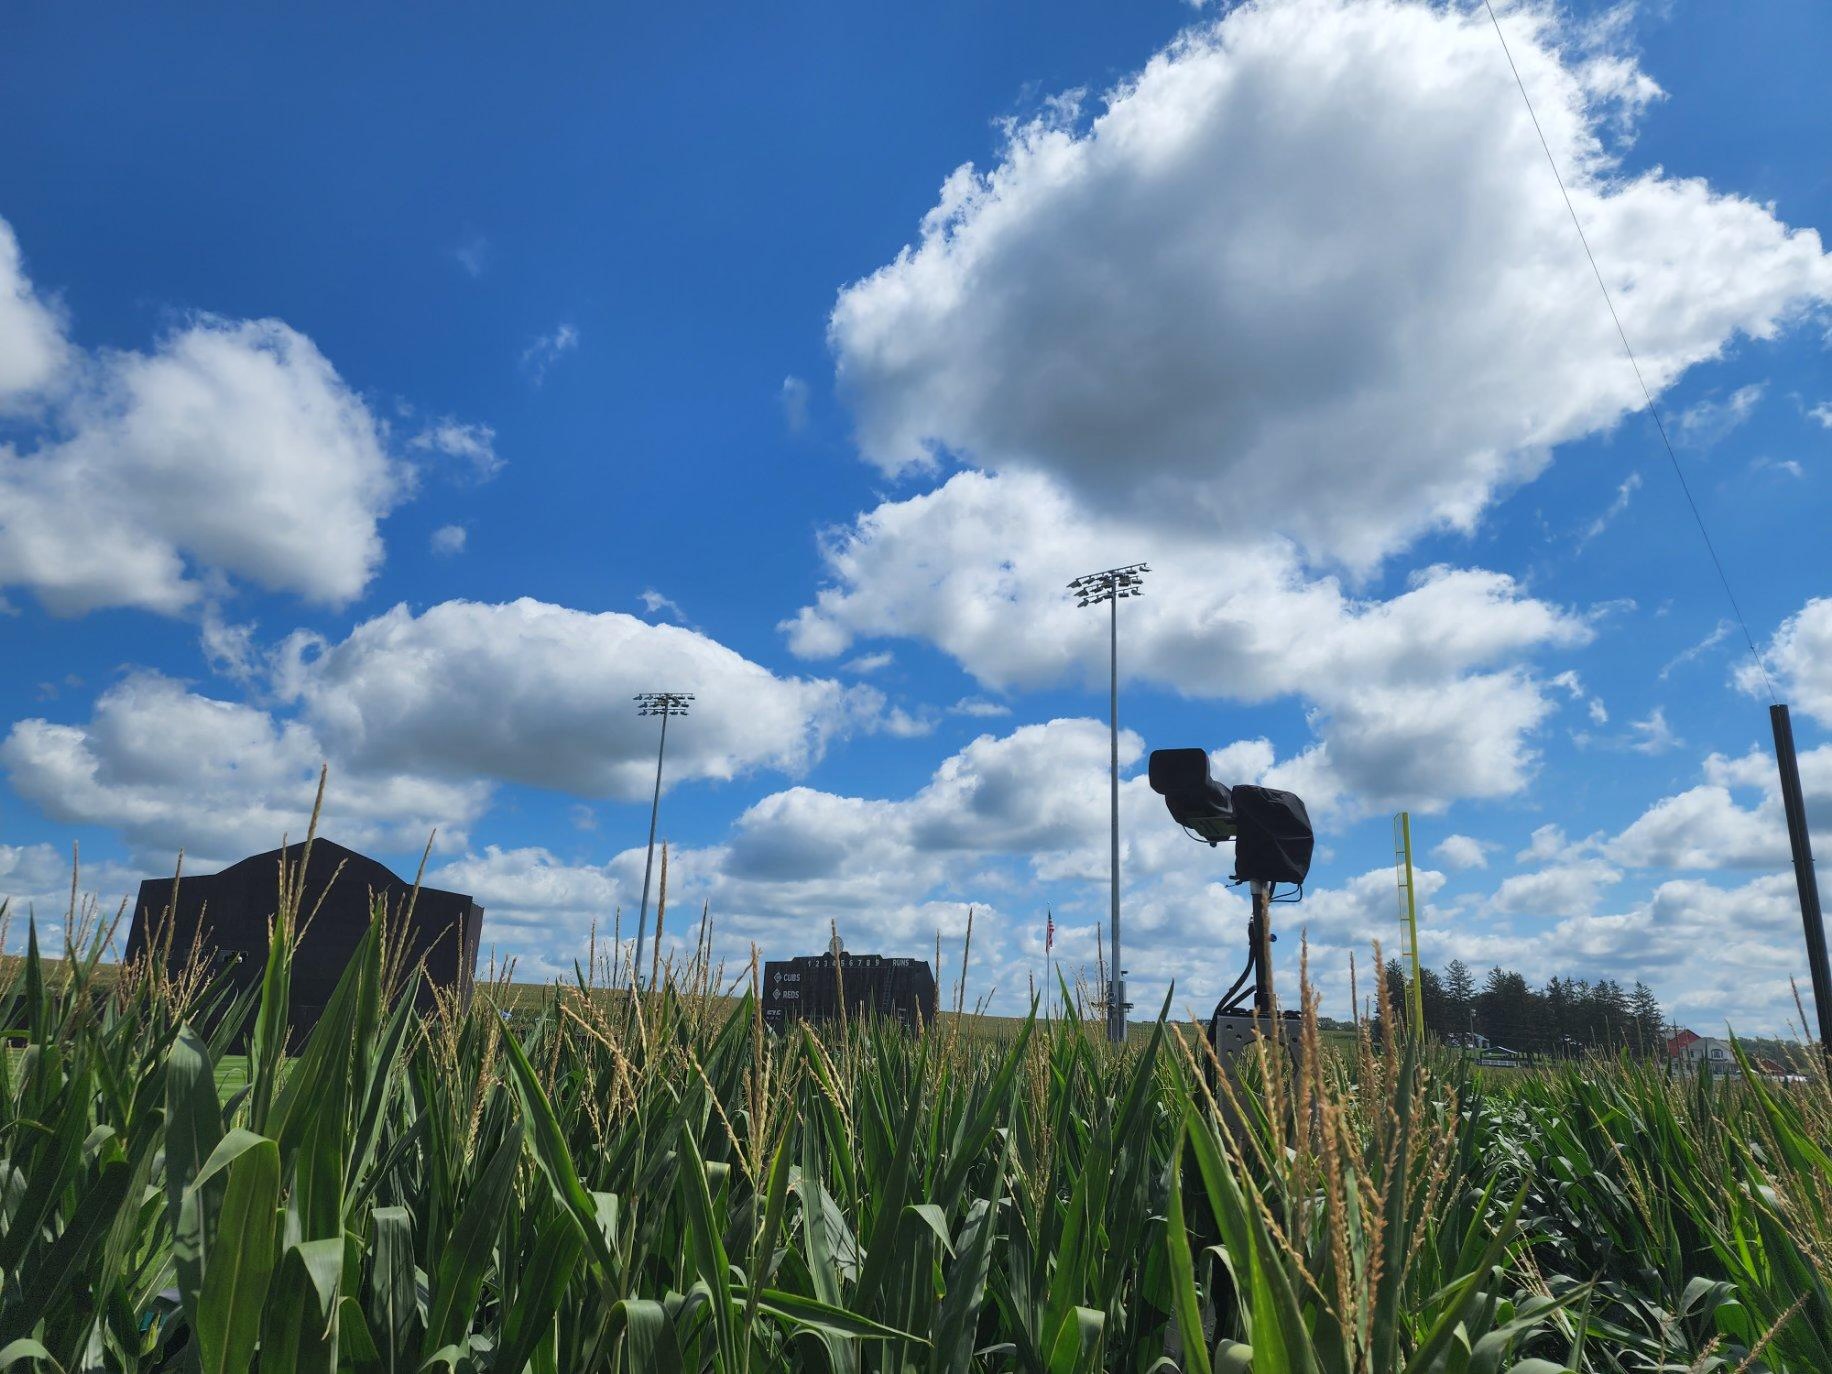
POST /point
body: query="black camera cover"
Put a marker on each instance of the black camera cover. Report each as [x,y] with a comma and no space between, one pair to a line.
[1273,839]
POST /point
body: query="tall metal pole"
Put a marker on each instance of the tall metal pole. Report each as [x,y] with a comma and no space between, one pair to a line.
[663,704]
[1116,998]
[655,807]
[1805,879]
[1094,588]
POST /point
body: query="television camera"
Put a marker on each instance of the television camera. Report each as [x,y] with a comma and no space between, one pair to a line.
[1273,840]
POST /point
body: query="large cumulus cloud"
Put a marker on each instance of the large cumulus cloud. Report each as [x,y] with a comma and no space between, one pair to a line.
[1307,271]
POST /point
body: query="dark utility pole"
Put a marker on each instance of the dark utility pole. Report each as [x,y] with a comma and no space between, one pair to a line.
[1804,877]
[1091,590]
[663,704]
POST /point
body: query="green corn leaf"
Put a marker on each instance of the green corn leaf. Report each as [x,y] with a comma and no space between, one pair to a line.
[881,1246]
[52,1166]
[648,1336]
[1075,1349]
[27,1352]
[380,1087]
[705,1247]
[555,1159]
[356,1348]
[299,1333]
[818,1316]
[557,1250]
[957,1324]
[193,1127]
[241,1261]
[54,1278]
[466,1259]
[776,1200]
[1182,1268]
[312,1106]
[390,1297]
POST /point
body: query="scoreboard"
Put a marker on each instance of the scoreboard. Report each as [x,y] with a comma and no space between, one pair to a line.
[812,988]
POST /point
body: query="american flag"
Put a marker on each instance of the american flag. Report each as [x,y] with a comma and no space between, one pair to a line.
[1049,932]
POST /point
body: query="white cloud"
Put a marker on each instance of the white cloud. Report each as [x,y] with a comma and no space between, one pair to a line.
[1706,827]
[35,885]
[234,447]
[1711,420]
[32,868]
[1000,821]
[448,540]
[170,769]
[1364,909]
[540,694]
[1716,955]
[33,350]
[473,255]
[979,708]
[1298,275]
[1717,636]
[1418,697]
[1461,851]
[1799,658]
[231,449]
[1822,413]
[870,663]
[1014,823]
[1788,467]
[656,604]
[547,349]
[1624,494]
[538,909]
[420,718]
[1568,889]
[901,723]
[1574,685]
[794,399]
[1702,827]
[1547,842]
[472,444]
[1653,735]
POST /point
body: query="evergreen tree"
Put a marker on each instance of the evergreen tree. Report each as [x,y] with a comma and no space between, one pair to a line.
[1507,1011]
[1562,1027]
[1649,1022]
[1459,996]
[1439,1019]
[1567,1018]
[1610,1016]
[1395,977]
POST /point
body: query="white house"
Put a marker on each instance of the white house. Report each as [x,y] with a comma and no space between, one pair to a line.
[1693,1050]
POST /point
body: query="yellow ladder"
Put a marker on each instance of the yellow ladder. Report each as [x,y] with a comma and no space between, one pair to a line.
[1408,922]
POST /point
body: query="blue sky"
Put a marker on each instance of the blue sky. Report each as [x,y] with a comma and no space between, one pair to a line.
[406,390]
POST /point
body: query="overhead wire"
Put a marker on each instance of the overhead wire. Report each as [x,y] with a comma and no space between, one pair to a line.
[1635,363]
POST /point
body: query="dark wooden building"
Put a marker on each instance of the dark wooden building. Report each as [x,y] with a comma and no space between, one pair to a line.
[228,914]
[810,989]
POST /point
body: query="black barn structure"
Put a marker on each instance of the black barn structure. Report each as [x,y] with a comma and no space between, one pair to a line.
[227,915]
[810,989]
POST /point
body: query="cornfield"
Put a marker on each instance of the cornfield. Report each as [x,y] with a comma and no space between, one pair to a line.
[653,1183]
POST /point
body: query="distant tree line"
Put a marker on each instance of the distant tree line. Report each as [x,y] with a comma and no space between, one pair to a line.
[1566,1017]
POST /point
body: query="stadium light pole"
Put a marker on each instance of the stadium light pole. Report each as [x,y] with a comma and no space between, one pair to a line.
[1091,590]
[663,704]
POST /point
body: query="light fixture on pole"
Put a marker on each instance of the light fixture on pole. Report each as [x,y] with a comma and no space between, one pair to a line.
[663,704]
[1093,589]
